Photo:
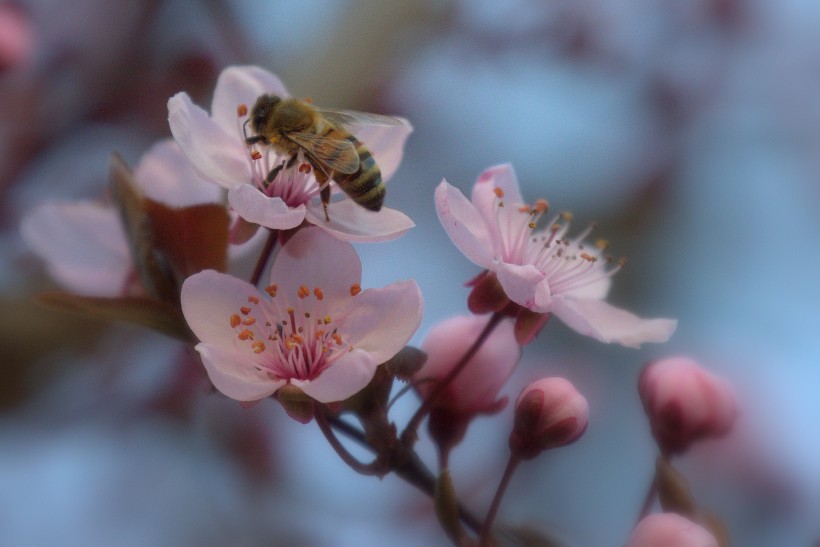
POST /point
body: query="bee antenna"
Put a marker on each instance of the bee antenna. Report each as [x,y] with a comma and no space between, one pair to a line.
[245,128]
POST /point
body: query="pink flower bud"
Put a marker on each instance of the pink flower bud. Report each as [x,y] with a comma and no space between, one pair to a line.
[475,390]
[549,413]
[685,403]
[670,530]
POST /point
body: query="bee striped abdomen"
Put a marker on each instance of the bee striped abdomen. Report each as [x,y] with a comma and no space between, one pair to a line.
[365,186]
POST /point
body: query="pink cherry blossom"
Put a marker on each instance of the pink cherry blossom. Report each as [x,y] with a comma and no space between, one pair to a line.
[549,413]
[83,242]
[313,327]
[215,145]
[685,403]
[543,270]
[475,389]
[670,530]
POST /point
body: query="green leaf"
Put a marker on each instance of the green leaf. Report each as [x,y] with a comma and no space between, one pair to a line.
[159,316]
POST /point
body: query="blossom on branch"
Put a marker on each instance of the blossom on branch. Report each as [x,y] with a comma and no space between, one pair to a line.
[312,327]
[541,269]
[215,145]
[670,530]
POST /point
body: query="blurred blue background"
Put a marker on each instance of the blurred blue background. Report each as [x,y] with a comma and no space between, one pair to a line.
[689,131]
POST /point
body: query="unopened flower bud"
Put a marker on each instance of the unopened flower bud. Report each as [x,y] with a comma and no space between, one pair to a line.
[670,530]
[475,390]
[685,403]
[549,413]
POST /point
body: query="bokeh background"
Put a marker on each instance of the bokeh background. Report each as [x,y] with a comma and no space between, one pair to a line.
[689,130]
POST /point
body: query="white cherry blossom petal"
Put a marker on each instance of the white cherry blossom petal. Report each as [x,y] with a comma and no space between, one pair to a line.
[463,223]
[315,259]
[83,244]
[344,378]
[605,322]
[353,223]
[484,197]
[230,372]
[165,175]
[381,321]
[525,285]
[218,156]
[257,208]
[241,85]
[209,299]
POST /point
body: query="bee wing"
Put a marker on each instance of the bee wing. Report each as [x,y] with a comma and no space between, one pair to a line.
[352,117]
[338,155]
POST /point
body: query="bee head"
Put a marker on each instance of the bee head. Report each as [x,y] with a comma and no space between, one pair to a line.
[262,110]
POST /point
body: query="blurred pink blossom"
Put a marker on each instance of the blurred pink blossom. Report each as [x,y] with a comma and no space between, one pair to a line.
[685,403]
[670,530]
[313,329]
[549,413]
[540,269]
[215,145]
[475,390]
[83,242]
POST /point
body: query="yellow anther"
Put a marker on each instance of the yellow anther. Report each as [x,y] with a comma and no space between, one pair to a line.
[541,205]
[242,110]
[532,225]
[303,291]
[248,321]
[498,192]
[271,290]
[355,289]
[318,293]
[337,338]
[245,335]
[524,209]
[326,319]
[588,257]
[235,320]
[256,155]
[567,216]
[602,244]
[245,310]
[253,299]
[258,347]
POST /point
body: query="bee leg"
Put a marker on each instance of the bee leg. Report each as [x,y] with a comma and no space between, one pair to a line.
[325,195]
[256,139]
[278,169]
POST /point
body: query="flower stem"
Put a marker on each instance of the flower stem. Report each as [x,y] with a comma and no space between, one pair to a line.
[409,434]
[270,243]
[372,468]
[486,528]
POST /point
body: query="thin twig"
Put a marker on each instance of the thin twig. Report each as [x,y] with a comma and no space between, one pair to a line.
[486,528]
[372,468]
[263,257]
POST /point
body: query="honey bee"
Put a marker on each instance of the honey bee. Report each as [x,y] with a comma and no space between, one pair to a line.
[291,126]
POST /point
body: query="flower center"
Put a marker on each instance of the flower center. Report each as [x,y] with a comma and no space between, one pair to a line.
[290,336]
[274,174]
[568,264]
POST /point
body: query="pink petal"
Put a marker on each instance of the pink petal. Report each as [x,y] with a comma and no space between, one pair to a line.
[352,222]
[209,299]
[381,321]
[592,291]
[241,85]
[217,156]
[232,373]
[164,174]
[346,377]
[463,223]
[83,244]
[484,196]
[525,285]
[316,259]
[386,143]
[271,212]
[604,322]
